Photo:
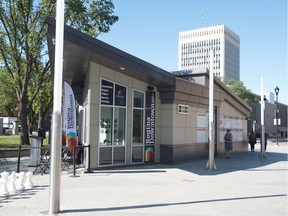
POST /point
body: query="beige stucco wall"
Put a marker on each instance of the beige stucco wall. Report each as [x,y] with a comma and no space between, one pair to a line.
[178,128]
[181,129]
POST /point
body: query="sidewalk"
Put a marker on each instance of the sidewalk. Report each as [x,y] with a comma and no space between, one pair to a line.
[243,185]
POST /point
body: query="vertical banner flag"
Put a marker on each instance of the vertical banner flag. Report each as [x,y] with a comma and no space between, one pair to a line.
[69,118]
[150,126]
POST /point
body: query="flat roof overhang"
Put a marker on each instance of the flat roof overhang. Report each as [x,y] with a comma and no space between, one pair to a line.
[80,49]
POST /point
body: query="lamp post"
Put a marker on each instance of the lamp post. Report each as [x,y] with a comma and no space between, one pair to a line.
[277,112]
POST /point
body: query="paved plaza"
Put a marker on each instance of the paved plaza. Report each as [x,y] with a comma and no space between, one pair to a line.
[243,185]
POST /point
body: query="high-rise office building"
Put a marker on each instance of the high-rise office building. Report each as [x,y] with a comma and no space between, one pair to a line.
[194,51]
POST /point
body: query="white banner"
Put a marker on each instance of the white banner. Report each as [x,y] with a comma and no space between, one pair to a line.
[69,117]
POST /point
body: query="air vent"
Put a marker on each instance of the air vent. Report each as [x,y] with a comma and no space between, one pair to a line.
[183,109]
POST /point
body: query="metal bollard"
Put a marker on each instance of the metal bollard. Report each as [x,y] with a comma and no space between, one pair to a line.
[74,166]
[19,156]
[88,169]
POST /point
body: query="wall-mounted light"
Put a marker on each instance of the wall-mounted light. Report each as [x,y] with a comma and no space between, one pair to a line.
[122,68]
[150,88]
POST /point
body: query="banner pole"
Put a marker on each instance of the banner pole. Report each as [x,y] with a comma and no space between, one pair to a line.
[55,167]
[211,163]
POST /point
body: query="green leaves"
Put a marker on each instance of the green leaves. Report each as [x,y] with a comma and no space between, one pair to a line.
[240,90]
[25,75]
[92,17]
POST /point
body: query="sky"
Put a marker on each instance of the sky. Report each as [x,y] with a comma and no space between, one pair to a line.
[149,30]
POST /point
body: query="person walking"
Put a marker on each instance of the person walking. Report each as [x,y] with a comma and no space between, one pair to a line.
[252,141]
[228,138]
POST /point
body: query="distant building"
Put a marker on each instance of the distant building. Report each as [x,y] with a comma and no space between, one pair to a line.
[270,96]
[194,51]
[254,122]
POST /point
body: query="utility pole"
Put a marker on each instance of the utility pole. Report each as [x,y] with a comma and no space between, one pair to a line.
[211,162]
[277,113]
[55,168]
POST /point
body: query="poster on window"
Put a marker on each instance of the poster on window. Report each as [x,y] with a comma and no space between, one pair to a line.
[150,118]
[120,95]
[149,154]
[107,92]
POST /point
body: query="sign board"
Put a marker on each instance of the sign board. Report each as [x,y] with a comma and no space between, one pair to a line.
[107,89]
[150,118]
[279,122]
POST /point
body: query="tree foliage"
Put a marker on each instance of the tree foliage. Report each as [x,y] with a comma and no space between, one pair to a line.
[240,90]
[8,98]
[24,62]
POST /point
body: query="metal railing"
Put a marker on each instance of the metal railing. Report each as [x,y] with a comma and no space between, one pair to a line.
[74,157]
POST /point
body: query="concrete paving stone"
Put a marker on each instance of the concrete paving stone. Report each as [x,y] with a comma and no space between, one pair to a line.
[244,185]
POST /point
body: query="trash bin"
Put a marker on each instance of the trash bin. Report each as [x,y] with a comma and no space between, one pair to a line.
[35,150]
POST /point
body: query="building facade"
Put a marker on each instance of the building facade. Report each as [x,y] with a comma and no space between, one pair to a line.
[194,51]
[132,112]
[254,122]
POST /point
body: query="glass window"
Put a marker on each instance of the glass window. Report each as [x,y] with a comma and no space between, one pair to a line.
[105,156]
[137,154]
[119,155]
[119,126]
[138,126]
[112,125]
[138,99]
[106,126]
[138,117]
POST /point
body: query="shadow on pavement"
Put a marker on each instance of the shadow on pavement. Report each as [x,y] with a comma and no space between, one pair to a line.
[241,161]
[244,161]
[168,204]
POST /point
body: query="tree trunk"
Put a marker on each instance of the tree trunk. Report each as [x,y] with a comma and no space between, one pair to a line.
[24,138]
[40,115]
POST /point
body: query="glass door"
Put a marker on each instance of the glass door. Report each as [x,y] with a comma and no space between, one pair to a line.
[138,127]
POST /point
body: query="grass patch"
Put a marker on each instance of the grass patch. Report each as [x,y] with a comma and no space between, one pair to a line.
[13,141]
[9,140]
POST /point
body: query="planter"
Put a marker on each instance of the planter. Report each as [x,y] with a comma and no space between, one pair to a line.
[9,153]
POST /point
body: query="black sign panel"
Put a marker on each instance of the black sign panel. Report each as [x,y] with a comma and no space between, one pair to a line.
[106,92]
[150,118]
[150,99]
[120,95]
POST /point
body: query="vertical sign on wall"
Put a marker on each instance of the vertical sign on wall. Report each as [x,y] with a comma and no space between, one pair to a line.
[106,92]
[120,95]
[149,126]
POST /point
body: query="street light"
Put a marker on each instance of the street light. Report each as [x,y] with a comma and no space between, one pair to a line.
[277,112]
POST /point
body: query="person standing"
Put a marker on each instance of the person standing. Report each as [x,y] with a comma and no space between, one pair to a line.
[265,140]
[228,138]
[252,141]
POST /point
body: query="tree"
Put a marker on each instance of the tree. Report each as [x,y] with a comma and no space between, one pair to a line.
[8,98]
[240,90]
[23,49]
